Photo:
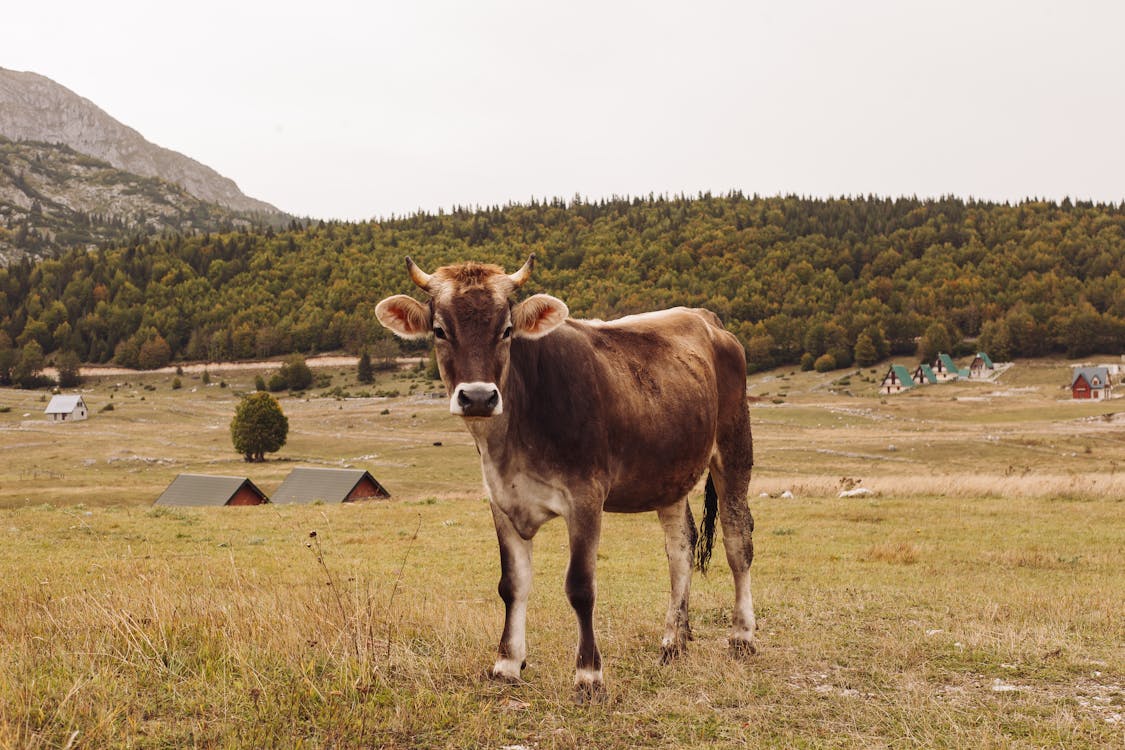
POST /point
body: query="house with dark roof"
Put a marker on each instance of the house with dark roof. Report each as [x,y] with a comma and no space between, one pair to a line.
[924,375]
[981,366]
[306,485]
[897,380]
[66,409]
[207,490]
[1090,383]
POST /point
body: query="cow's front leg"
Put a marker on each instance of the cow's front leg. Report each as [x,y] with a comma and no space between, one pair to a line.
[514,589]
[581,590]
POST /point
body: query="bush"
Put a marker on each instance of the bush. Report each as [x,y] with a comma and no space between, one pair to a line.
[297,374]
[825,363]
[176,384]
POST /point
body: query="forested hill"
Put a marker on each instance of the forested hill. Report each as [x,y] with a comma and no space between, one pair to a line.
[794,278]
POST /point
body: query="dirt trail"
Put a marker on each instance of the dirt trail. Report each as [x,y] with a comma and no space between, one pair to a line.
[325,360]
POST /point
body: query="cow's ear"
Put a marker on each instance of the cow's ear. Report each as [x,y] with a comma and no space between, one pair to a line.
[404,315]
[538,315]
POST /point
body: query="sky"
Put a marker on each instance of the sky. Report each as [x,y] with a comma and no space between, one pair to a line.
[356,110]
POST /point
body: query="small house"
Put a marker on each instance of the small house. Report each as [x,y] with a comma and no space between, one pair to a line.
[304,485]
[946,369]
[981,366]
[67,409]
[1090,383]
[896,380]
[204,490]
[924,374]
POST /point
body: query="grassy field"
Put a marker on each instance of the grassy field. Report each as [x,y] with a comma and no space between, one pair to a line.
[975,598]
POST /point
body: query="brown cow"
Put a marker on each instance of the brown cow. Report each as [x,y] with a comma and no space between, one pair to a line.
[573,417]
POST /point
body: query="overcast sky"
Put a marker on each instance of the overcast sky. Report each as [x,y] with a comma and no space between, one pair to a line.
[350,109]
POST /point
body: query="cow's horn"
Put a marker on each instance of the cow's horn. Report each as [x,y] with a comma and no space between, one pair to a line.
[521,276]
[417,275]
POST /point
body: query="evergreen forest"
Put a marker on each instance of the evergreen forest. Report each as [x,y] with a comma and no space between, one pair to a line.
[824,283]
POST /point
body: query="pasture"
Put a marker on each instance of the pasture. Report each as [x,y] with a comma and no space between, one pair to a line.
[974,598]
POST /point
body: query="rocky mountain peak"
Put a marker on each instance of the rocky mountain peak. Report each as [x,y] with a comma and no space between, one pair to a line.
[35,108]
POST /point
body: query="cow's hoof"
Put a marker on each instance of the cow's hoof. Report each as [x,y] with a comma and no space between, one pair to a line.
[742,648]
[507,670]
[669,652]
[589,687]
[590,693]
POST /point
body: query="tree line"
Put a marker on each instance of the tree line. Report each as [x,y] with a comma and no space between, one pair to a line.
[825,283]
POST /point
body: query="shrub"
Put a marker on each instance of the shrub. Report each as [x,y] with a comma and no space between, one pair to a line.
[825,363]
[296,372]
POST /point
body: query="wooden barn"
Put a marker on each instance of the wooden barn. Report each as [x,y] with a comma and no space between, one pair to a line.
[205,490]
[304,485]
[896,380]
[66,409]
[1090,383]
[981,366]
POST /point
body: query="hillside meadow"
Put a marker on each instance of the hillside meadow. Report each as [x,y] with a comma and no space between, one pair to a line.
[975,597]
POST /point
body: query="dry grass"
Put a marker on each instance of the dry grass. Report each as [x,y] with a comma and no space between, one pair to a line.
[974,599]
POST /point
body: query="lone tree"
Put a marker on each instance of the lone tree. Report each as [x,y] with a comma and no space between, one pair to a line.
[259,426]
[365,373]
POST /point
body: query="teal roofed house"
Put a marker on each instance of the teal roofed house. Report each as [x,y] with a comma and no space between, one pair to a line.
[896,380]
[924,374]
[946,369]
[981,366]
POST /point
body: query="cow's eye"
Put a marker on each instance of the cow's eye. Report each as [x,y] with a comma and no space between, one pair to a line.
[507,333]
[439,333]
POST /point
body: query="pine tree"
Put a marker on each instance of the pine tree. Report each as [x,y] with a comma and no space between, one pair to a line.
[364,372]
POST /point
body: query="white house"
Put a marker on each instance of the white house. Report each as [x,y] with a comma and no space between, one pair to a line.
[67,409]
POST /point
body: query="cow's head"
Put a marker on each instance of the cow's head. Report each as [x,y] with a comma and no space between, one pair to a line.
[473,321]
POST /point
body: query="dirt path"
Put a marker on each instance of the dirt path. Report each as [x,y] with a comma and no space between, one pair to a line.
[324,360]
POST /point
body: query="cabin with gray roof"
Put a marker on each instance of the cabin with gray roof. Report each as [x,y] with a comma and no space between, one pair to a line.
[306,485]
[209,490]
[1091,383]
[897,380]
[66,409]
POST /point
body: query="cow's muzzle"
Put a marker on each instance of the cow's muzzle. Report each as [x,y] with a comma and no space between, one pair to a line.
[476,400]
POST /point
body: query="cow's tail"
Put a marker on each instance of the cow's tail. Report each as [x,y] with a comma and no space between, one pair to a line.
[707,526]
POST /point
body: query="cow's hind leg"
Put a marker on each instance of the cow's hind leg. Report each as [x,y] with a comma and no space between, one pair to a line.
[514,589]
[730,470]
[679,544]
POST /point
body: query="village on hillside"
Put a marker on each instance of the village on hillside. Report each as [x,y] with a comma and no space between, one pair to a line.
[1087,382]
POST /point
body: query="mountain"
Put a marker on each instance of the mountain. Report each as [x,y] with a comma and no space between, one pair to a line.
[35,108]
[53,198]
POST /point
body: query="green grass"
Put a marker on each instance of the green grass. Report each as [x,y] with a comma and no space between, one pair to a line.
[977,599]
